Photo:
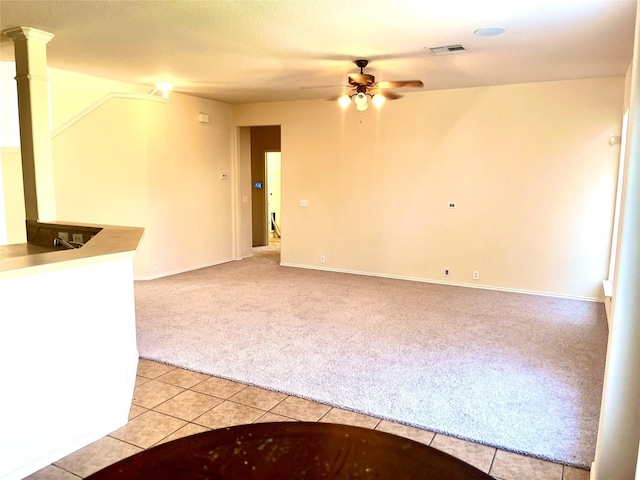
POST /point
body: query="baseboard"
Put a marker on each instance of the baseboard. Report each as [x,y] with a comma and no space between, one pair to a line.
[381,275]
[440,282]
[184,270]
[68,449]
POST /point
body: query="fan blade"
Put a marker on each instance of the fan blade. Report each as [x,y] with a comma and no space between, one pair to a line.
[308,87]
[385,94]
[400,84]
[337,97]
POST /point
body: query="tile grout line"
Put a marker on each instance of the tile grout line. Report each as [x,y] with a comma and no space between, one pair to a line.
[493,459]
[143,379]
[270,410]
[65,470]
[125,441]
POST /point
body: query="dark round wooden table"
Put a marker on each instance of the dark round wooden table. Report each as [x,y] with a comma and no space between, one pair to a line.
[291,450]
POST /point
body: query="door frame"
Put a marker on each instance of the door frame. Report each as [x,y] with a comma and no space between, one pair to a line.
[266,190]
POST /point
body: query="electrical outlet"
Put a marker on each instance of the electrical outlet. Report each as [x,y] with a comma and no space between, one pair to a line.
[321,258]
[155,266]
[476,275]
[64,236]
[446,272]
[78,238]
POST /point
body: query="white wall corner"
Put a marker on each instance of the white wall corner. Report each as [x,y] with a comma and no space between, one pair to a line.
[607,286]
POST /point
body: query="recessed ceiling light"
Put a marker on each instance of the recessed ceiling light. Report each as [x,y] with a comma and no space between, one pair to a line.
[489,31]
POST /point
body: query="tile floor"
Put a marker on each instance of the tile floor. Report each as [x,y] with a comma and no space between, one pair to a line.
[170,403]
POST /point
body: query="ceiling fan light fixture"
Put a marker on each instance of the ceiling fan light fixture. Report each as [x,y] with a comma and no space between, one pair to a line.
[378,100]
[361,102]
[344,101]
[362,85]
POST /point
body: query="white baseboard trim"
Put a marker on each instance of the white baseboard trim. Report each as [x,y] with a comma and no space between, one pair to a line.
[440,282]
[183,270]
[51,457]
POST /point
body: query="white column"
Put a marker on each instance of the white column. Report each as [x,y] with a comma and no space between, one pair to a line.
[35,131]
[619,432]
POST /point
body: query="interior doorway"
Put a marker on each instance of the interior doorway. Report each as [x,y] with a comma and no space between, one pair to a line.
[265,162]
[273,166]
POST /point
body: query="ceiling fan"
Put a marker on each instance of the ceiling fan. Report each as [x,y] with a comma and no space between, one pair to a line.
[364,85]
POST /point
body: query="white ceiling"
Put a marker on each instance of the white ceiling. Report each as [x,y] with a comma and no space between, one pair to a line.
[258,51]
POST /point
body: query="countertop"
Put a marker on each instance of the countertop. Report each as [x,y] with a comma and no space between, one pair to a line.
[110,241]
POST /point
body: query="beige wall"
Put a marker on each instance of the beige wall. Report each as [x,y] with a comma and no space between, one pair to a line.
[72,93]
[9,130]
[528,166]
[100,169]
[138,162]
[190,206]
[11,163]
[149,164]
[244,189]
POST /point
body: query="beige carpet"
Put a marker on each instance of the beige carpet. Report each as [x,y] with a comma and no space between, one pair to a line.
[519,372]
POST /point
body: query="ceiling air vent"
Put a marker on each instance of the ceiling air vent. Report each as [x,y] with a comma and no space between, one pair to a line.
[448,49]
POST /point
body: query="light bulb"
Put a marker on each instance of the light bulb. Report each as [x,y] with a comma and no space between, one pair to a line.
[378,100]
[165,88]
[344,101]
